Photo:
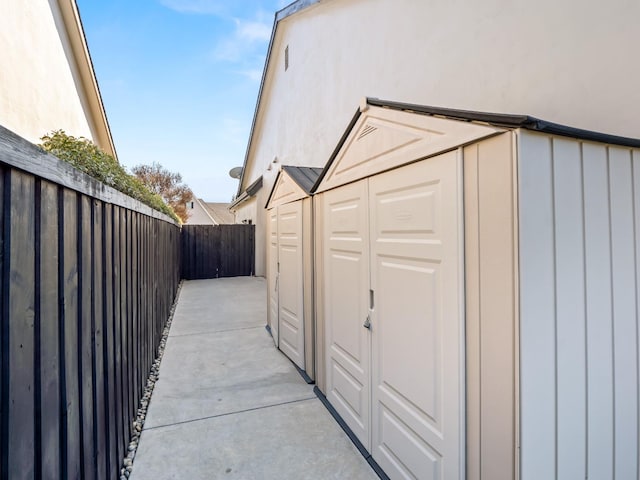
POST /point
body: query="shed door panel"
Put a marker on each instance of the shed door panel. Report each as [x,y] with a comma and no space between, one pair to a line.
[346,305]
[291,282]
[272,273]
[414,216]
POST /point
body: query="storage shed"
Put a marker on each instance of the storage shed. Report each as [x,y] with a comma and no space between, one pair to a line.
[477,294]
[290,265]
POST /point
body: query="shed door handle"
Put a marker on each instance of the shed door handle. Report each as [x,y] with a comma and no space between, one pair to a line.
[367,323]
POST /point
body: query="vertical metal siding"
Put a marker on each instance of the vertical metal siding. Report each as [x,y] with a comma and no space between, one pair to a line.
[579,298]
[570,308]
[537,296]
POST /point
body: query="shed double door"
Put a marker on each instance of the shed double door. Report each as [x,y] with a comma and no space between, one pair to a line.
[285,280]
[392,264]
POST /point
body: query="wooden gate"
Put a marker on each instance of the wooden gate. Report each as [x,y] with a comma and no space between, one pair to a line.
[213,251]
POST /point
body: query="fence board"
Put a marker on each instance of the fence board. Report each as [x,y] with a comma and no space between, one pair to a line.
[133,309]
[69,332]
[131,405]
[124,330]
[117,330]
[49,333]
[21,306]
[108,323]
[213,251]
[99,377]
[84,335]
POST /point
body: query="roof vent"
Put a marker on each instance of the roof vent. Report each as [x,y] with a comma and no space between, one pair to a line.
[366,131]
[286,58]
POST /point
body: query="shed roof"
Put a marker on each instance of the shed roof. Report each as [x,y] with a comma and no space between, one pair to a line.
[305,177]
[292,183]
[499,120]
[510,121]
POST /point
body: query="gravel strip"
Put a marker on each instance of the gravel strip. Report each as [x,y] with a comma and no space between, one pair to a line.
[127,463]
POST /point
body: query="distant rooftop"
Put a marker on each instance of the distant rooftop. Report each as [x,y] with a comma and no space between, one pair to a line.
[219,212]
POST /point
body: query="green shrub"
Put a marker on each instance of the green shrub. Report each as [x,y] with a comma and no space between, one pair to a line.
[87,157]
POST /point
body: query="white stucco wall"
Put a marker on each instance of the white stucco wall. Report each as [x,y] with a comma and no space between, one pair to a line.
[569,62]
[40,88]
[246,210]
[198,215]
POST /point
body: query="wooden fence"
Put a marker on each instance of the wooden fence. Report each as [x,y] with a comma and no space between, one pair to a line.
[213,251]
[88,277]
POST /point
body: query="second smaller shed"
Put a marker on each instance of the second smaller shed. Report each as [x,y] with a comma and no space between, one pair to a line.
[289,265]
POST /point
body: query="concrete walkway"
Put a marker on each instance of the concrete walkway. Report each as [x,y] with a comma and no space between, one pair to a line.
[229,405]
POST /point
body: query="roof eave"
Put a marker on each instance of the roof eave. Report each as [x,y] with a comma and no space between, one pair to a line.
[82,56]
[248,193]
[280,15]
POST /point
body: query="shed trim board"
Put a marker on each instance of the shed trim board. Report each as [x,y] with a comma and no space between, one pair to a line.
[491,316]
[272,274]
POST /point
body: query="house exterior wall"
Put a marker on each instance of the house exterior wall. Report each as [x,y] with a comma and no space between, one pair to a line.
[246,211]
[41,87]
[491,308]
[578,227]
[261,231]
[541,59]
[198,215]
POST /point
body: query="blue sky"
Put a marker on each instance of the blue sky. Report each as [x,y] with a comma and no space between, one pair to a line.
[179,81]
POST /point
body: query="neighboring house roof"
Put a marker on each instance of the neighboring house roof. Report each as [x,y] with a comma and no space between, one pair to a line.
[220,213]
[495,119]
[73,24]
[209,213]
[198,213]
